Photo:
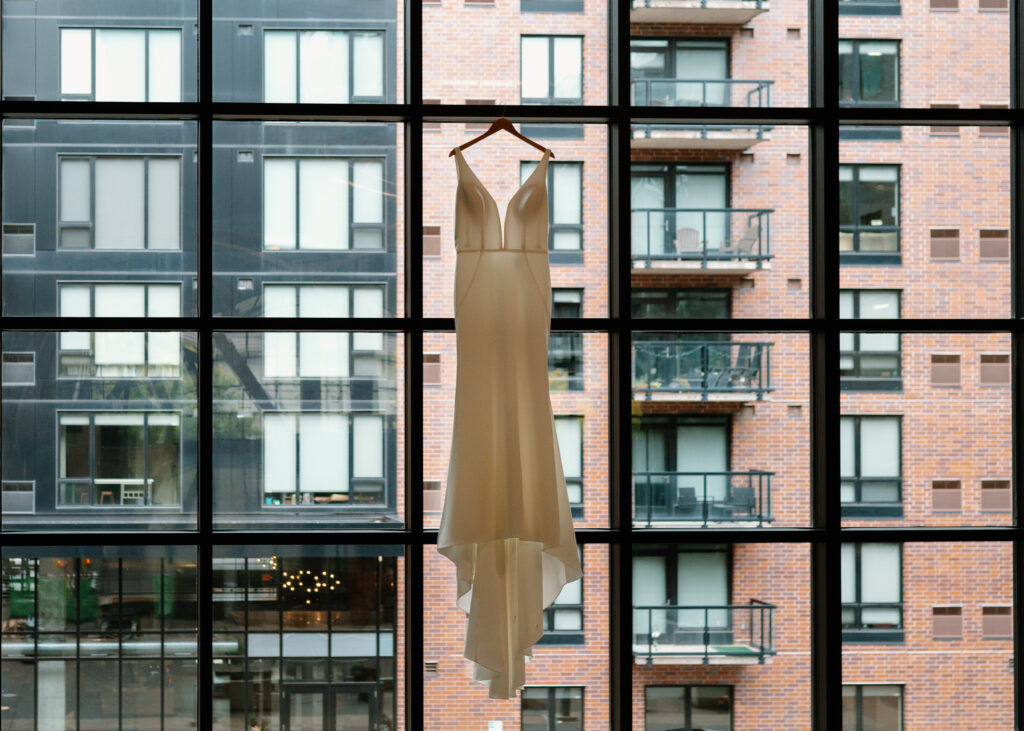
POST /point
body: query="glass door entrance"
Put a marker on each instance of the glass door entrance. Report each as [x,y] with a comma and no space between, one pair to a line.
[350,707]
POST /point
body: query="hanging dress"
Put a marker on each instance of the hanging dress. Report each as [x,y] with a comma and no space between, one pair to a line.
[506,523]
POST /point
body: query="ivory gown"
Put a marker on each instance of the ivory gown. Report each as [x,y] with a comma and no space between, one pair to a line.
[506,522]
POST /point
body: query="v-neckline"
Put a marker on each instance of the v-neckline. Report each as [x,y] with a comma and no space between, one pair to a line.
[508,204]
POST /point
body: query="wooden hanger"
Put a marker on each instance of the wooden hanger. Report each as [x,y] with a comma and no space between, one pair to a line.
[499,124]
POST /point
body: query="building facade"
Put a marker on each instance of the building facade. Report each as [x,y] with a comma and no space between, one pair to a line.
[100,219]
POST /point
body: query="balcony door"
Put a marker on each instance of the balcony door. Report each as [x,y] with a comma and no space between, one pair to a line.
[706,61]
[654,493]
[650,228]
[322,708]
[702,580]
[679,73]
[696,578]
[702,449]
[704,191]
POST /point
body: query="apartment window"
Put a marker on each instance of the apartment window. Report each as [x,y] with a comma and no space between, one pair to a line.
[997,623]
[323,66]
[569,432]
[872,592]
[120,354]
[119,459]
[682,72]
[945,370]
[551,70]
[869,361]
[943,4]
[322,354]
[565,203]
[563,619]
[687,707]
[993,130]
[19,369]
[119,202]
[869,217]
[947,623]
[557,708]
[994,370]
[432,496]
[680,302]
[872,708]
[319,203]
[996,496]
[121,64]
[326,459]
[18,496]
[947,496]
[870,464]
[565,349]
[869,73]
[993,245]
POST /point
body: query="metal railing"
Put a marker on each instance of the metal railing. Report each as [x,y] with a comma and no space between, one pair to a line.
[666,367]
[707,497]
[672,92]
[701,235]
[649,131]
[743,631]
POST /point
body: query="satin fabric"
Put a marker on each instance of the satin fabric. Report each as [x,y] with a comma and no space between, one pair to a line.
[506,523]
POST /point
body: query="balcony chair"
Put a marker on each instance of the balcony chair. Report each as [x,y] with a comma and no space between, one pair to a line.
[743,501]
[686,502]
[744,246]
[686,242]
[743,373]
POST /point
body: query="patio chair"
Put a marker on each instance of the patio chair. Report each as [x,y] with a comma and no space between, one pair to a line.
[687,241]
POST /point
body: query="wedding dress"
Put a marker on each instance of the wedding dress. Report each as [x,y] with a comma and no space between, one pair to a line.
[506,523]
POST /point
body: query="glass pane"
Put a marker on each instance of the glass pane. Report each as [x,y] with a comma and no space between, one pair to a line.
[320,636]
[690,657]
[104,162]
[557,694]
[122,453]
[120,65]
[577,381]
[703,471]
[880,572]
[327,53]
[314,451]
[880,447]
[119,610]
[889,214]
[882,668]
[328,214]
[75,61]
[164,63]
[577,240]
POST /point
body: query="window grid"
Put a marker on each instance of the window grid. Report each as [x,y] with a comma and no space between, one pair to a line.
[826,536]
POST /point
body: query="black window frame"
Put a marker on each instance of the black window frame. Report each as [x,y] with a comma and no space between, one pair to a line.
[856,633]
[865,509]
[859,703]
[856,255]
[856,101]
[553,724]
[856,381]
[687,721]
[821,326]
[550,99]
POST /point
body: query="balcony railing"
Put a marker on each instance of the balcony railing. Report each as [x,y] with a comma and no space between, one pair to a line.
[666,370]
[726,634]
[697,136]
[704,497]
[701,238]
[671,92]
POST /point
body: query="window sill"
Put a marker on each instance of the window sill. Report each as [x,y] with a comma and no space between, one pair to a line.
[869,9]
[868,510]
[871,384]
[873,636]
[856,258]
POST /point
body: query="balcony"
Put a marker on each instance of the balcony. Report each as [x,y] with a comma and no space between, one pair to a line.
[697,136]
[726,634]
[687,370]
[700,241]
[673,92]
[698,499]
[718,12]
